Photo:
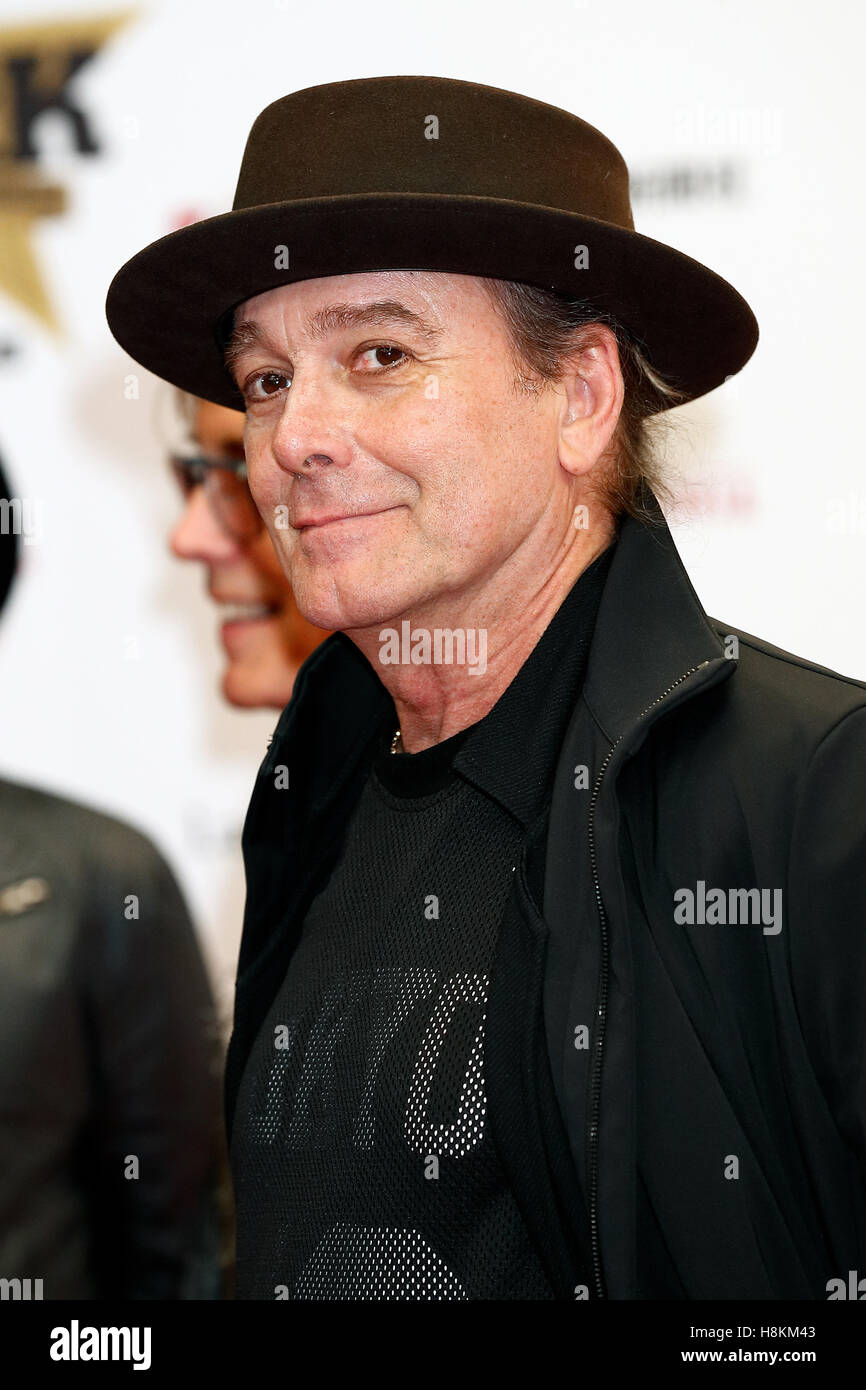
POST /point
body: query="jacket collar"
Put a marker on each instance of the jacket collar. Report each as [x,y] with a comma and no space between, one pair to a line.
[652,631]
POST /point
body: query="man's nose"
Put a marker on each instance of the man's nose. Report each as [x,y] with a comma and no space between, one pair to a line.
[198,534]
[312,433]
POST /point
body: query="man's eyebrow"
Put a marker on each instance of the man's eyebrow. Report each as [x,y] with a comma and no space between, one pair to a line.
[324,321]
[247,334]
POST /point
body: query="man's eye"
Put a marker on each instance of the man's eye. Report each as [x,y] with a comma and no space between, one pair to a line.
[265,385]
[385,355]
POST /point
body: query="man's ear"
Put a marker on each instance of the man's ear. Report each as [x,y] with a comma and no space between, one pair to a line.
[592,391]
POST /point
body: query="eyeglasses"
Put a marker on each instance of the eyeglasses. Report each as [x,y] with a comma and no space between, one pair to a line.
[226,489]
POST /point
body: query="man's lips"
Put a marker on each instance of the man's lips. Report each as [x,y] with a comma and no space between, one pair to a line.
[308,523]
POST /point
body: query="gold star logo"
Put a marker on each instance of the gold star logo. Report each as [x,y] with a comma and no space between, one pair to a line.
[37,64]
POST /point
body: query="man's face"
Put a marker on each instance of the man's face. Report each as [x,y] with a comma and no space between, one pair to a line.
[396,466]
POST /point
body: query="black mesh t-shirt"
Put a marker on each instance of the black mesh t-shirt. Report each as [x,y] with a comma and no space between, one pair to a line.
[363,1163]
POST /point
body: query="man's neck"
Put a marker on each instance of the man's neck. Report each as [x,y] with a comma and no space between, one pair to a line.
[436,698]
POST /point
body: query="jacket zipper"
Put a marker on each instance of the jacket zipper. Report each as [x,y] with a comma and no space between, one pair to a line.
[595,1074]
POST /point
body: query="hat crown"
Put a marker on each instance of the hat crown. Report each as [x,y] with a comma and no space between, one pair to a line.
[431,135]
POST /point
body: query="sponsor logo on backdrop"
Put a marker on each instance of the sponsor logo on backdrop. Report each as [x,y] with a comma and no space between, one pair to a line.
[686,182]
[38,67]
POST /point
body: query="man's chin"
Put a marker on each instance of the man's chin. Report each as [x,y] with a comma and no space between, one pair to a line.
[339,613]
[357,591]
[351,618]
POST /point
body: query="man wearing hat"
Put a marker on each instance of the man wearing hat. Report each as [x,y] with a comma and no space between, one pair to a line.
[552,973]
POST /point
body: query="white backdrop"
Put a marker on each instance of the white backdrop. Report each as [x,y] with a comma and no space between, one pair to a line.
[742,122]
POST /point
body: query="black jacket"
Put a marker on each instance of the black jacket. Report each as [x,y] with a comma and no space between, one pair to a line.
[108,1051]
[710,1140]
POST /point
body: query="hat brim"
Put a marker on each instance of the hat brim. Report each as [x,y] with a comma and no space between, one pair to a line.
[164,305]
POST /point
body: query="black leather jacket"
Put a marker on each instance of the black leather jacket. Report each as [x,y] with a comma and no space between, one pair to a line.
[109,1063]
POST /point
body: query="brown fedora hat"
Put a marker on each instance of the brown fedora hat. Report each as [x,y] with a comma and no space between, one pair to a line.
[424,173]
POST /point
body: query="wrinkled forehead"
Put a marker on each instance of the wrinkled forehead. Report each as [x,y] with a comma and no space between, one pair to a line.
[423,300]
[357,284]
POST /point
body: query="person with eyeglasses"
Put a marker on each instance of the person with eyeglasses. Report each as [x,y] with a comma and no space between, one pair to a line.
[266,640]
